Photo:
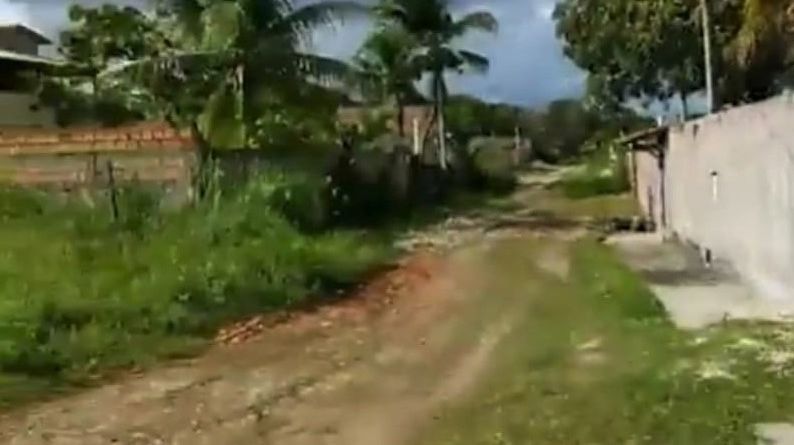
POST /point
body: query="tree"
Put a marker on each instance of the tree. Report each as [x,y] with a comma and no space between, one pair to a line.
[388,71]
[95,39]
[634,48]
[765,24]
[761,51]
[235,59]
[433,27]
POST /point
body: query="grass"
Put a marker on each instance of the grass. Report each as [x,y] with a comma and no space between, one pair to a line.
[600,176]
[82,296]
[594,360]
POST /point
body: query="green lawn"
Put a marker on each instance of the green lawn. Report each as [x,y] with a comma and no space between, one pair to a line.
[594,360]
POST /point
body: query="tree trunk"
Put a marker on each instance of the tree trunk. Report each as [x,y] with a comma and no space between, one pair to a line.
[442,137]
[202,180]
[428,130]
[684,106]
[400,116]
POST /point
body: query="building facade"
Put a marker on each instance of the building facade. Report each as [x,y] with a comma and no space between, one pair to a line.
[20,64]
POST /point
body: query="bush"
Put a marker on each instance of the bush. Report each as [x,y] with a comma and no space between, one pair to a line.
[604,173]
[80,293]
[491,162]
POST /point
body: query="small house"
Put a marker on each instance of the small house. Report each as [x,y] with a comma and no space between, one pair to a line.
[20,65]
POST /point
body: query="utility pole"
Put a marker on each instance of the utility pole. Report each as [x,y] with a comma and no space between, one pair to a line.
[704,9]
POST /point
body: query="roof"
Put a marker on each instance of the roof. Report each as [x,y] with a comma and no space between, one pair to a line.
[38,37]
[643,138]
[26,59]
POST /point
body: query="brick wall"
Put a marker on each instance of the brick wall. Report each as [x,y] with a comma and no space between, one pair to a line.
[78,158]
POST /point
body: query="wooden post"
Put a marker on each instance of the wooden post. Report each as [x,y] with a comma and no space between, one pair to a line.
[114,203]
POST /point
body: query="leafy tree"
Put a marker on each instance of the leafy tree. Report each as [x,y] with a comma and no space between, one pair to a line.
[766,25]
[100,36]
[95,39]
[759,55]
[237,57]
[433,27]
[634,48]
[388,71]
[468,117]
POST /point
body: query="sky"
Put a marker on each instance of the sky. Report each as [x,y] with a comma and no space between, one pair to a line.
[527,65]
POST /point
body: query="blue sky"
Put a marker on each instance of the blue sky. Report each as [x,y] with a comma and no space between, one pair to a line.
[527,65]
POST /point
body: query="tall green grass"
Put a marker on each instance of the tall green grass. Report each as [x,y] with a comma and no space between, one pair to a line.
[81,294]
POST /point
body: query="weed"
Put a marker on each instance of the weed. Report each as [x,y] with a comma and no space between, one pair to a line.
[81,294]
[594,360]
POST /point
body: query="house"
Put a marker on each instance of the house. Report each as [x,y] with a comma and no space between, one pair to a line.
[20,64]
[725,184]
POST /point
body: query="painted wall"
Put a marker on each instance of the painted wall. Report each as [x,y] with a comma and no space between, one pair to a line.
[729,182]
[19,109]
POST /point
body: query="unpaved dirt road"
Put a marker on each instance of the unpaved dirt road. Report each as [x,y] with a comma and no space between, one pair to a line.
[370,370]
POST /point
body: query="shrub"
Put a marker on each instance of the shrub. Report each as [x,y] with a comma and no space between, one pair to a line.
[491,161]
[80,293]
[604,173]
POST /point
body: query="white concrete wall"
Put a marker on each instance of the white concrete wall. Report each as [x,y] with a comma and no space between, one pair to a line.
[730,188]
[648,185]
[16,111]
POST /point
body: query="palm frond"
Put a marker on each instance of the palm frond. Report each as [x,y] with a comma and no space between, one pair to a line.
[188,14]
[325,70]
[479,21]
[222,122]
[222,23]
[307,18]
[477,62]
[391,12]
[173,62]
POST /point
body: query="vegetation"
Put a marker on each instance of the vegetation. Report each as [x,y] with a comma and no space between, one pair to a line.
[386,65]
[160,283]
[433,28]
[604,173]
[96,39]
[559,131]
[593,359]
[640,49]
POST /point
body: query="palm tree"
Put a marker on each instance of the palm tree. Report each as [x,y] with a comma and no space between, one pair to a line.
[386,69]
[234,56]
[433,27]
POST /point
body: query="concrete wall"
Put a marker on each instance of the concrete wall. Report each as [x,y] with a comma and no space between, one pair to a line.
[730,188]
[647,185]
[20,109]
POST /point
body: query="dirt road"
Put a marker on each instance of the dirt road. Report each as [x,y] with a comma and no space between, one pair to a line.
[373,369]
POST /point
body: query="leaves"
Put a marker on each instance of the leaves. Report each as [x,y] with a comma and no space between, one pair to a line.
[480,21]
[249,48]
[222,23]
